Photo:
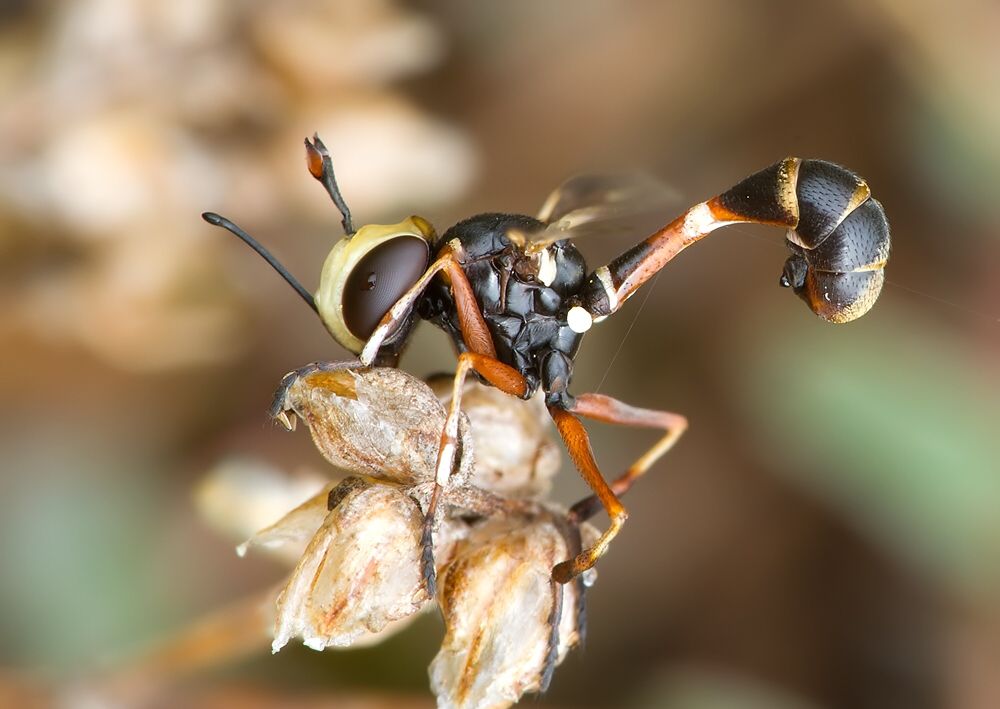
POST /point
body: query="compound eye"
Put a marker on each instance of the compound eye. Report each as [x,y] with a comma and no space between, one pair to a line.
[379,279]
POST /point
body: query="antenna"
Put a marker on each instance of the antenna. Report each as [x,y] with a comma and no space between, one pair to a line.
[321,167]
[216,220]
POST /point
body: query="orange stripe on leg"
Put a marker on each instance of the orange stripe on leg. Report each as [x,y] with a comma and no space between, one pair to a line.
[475,333]
[610,410]
[574,435]
[502,376]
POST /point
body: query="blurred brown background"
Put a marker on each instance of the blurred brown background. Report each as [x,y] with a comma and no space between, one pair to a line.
[827,534]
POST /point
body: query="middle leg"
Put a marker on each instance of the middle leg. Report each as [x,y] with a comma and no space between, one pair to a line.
[577,442]
[610,410]
[503,377]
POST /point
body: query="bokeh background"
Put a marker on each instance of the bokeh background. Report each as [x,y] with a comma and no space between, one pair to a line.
[827,534]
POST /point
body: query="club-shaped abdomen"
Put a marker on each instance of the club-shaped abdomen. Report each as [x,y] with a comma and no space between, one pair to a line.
[841,238]
[838,234]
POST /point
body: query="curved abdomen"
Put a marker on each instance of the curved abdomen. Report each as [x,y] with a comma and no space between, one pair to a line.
[838,233]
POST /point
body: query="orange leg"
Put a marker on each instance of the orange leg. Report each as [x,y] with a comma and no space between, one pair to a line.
[475,333]
[610,410]
[574,435]
[577,442]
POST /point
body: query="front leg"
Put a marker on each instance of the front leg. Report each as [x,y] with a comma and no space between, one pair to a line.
[610,410]
[278,409]
[481,356]
[475,333]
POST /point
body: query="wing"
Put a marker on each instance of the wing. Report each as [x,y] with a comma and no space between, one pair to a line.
[605,205]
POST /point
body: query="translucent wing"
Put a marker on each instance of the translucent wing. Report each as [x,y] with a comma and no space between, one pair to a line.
[605,205]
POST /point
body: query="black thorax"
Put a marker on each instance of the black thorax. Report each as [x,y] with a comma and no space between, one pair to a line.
[526,317]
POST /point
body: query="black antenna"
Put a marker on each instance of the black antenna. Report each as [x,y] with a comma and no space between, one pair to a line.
[216,220]
[321,167]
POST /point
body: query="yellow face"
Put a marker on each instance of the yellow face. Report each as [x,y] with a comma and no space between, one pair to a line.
[366,273]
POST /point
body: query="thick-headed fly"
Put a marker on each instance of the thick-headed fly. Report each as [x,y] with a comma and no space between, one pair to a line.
[516,297]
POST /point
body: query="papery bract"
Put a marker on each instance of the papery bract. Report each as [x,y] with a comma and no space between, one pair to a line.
[360,571]
[497,597]
[380,422]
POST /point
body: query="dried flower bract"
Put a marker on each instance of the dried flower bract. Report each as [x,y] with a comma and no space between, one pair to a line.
[360,571]
[507,622]
[361,575]
[382,423]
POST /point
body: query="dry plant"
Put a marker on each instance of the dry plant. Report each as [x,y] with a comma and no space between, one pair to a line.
[359,572]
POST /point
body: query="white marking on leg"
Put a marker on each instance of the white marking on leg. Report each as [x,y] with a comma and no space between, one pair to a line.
[371,347]
[445,462]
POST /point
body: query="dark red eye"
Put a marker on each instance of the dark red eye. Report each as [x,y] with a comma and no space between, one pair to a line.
[379,279]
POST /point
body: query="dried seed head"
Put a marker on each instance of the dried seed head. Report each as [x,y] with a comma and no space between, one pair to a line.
[497,597]
[360,571]
[515,455]
[289,536]
[239,497]
[360,575]
[381,423]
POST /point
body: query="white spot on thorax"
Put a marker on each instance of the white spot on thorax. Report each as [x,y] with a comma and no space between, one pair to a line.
[579,319]
[546,267]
